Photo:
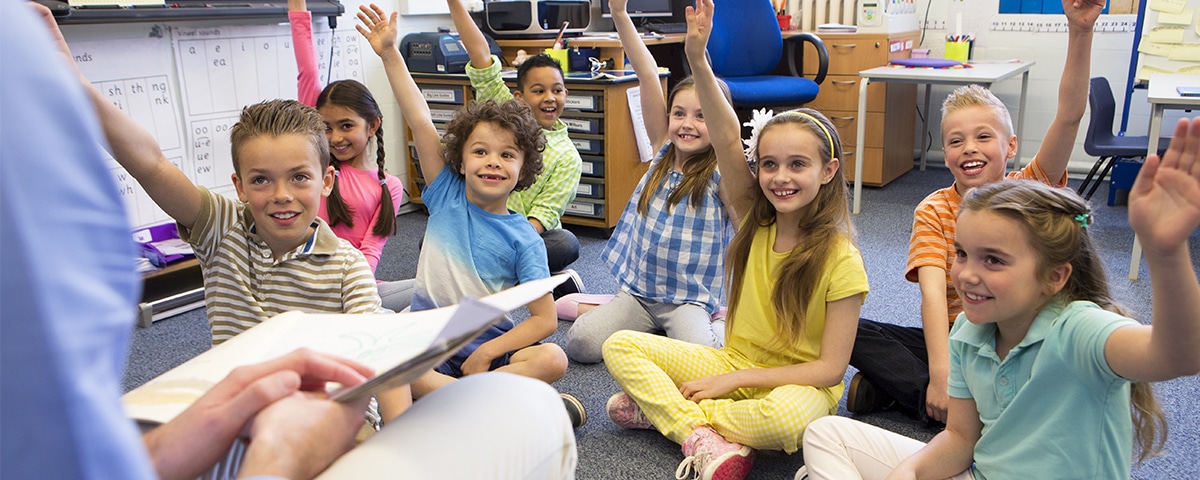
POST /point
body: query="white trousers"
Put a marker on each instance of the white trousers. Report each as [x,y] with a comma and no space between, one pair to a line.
[491,425]
[841,448]
[487,426]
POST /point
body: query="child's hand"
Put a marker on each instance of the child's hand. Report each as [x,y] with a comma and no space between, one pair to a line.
[380,33]
[617,5]
[708,387]
[297,5]
[699,21]
[1164,204]
[1082,13]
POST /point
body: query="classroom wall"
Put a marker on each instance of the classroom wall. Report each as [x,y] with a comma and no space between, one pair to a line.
[149,46]
[1111,54]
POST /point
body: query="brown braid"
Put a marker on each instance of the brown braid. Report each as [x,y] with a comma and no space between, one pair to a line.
[386,225]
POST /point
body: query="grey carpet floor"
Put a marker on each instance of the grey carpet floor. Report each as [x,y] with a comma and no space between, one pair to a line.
[609,452]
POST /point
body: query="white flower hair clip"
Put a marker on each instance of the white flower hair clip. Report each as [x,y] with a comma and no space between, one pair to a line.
[758,119]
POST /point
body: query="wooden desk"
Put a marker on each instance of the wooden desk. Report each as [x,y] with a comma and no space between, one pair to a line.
[980,73]
[599,124]
[1162,95]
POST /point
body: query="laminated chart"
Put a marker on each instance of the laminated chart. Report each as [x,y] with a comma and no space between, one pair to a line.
[136,75]
[223,69]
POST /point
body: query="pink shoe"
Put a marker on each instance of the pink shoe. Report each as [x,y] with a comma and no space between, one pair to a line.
[625,412]
[711,457]
[568,305]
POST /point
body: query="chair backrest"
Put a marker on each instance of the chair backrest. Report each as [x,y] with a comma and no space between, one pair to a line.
[745,39]
[1103,109]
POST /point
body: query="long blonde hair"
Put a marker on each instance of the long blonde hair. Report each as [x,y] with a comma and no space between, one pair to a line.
[1056,221]
[825,223]
[696,172]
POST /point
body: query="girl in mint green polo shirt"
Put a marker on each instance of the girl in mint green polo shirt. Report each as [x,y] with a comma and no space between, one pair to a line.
[1048,378]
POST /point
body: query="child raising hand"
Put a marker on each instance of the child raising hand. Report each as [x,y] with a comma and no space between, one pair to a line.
[1041,348]
[796,283]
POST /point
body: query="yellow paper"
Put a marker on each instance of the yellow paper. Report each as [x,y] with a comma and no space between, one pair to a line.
[1156,49]
[1166,35]
[1185,53]
[1190,70]
[1144,73]
[1182,18]
[1168,6]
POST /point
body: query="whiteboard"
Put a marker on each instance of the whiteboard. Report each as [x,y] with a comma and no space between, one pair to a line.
[1170,41]
[187,86]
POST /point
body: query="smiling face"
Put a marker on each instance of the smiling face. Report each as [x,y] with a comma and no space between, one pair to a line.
[281,180]
[685,124]
[976,145]
[997,272]
[790,170]
[491,166]
[348,134]
[542,88]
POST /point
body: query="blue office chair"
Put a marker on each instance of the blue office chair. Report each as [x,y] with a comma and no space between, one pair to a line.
[1101,143]
[746,46]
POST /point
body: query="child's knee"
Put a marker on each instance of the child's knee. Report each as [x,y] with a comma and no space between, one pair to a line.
[620,343]
[584,348]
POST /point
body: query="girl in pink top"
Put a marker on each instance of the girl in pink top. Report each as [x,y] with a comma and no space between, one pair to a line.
[363,205]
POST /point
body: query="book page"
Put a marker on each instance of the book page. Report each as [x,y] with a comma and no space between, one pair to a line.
[383,342]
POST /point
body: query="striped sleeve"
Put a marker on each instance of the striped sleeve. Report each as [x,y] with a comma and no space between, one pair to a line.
[1034,171]
[359,293]
[928,246]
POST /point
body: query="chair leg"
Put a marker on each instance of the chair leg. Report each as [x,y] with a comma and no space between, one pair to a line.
[1091,173]
[1107,168]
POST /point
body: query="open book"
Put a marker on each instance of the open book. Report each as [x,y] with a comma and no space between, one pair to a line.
[400,347]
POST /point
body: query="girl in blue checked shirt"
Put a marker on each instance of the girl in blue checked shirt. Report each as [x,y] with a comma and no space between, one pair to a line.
[666,249]
[796,283]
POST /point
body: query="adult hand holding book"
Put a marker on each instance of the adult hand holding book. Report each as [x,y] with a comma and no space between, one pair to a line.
[398,347]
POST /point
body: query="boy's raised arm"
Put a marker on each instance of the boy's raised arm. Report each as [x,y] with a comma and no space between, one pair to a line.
[654,103]
[472,38]
[134,148]
[380,31]
[1055,151]
[722,121]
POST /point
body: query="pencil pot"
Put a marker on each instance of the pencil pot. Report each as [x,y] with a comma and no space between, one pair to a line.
[560,56]
[958,50]
[578,58]
[785,22]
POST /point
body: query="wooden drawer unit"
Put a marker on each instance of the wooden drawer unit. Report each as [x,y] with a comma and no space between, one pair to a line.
[599,124]
[889,108]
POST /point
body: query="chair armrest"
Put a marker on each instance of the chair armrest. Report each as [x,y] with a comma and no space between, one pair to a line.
[795,55]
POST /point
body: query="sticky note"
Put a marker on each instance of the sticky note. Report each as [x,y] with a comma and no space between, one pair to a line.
[1168,6]
[1166,35]
[1182,18]
[1185,53]
[1155,49]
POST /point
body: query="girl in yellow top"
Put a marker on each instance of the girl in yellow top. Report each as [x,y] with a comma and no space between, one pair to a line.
[796,283]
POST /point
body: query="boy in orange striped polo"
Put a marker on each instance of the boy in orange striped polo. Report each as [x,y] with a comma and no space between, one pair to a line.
[908,367]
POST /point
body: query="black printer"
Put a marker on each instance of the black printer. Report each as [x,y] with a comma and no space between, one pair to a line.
[438,52]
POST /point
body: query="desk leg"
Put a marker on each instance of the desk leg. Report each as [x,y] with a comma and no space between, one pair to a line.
[1021,119]
[861,140]
[1156,114]
[925,126]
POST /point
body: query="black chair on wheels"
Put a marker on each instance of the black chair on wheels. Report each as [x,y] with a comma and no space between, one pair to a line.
[1100,141]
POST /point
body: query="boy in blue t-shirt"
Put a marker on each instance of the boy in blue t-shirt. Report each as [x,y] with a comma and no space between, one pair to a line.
[474,245]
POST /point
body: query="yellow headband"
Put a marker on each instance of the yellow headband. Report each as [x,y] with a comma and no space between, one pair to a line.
[832,151]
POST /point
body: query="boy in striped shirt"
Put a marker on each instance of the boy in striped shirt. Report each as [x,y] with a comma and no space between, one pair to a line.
[267,252]
[909,367]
